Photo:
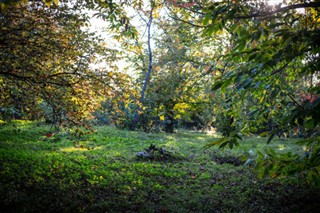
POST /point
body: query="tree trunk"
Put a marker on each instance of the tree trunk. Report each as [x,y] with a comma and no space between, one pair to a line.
[169,128]
[147,78]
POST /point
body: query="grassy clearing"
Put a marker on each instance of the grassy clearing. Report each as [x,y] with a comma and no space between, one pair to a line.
[101,173]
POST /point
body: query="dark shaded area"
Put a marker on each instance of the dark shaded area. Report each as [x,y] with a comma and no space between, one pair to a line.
[228,159]
[266,196]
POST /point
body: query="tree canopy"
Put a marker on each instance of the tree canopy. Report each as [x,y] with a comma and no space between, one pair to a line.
[273,68]
[46,63]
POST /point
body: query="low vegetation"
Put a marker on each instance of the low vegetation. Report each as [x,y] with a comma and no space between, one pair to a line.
[44,172]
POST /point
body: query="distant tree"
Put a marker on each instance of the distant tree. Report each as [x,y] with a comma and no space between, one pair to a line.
[136,41]
[148,20]
[4,5]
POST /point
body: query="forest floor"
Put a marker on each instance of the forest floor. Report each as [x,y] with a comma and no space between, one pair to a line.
[40,172]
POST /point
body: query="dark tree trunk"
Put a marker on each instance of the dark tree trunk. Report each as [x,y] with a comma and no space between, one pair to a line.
[169,128]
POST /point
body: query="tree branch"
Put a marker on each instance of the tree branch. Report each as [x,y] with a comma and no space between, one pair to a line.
[282,9]
[280,69]
[294,101]
[187,22]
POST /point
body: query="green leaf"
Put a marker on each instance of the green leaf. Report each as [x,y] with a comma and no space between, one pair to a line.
[309,124]
[206,19]
[216,85]
[48,2]
[210,30]
[270,152]
[240,46]
[224,144]
[3,6]
[237,136]
[215,143]
[252,113]
[267,170]
[245,85]
[271,137]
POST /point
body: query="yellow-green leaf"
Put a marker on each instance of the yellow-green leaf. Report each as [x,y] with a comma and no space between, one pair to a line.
[48,2]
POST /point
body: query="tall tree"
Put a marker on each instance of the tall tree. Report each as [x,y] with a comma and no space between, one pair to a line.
[178,79]
[46,56]
[148,23]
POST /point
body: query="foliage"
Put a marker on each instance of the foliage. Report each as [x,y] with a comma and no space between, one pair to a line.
[231,141]
[269,56]
[118,19]
[271,66]
[178,87]
[46,64]
[120,110]
[4,5]
[304,166]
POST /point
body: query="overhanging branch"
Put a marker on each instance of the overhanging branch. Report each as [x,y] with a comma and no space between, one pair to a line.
[282,9]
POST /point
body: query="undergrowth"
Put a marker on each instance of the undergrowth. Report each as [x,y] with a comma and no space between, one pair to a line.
[41,172]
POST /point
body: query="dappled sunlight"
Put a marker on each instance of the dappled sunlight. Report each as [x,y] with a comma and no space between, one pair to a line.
[171,145]
[213,133]
[190,143]
[200,138]
[169,137]
[113,172]
[281,147]
[81,149]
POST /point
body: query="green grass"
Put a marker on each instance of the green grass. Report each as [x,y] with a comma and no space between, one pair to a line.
[101,173]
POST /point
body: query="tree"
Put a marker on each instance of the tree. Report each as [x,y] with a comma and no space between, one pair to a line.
[274,49]
[46,58]
[176,82]
[4,5]
[148,23]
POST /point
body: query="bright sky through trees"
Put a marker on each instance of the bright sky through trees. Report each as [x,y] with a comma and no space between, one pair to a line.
[274,2]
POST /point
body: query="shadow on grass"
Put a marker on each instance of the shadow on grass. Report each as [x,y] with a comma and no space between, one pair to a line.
[103,174]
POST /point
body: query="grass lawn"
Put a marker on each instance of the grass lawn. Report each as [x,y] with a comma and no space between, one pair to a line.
[101,173]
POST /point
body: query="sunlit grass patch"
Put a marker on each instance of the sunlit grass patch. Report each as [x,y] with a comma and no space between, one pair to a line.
[101,172]
[81,149]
